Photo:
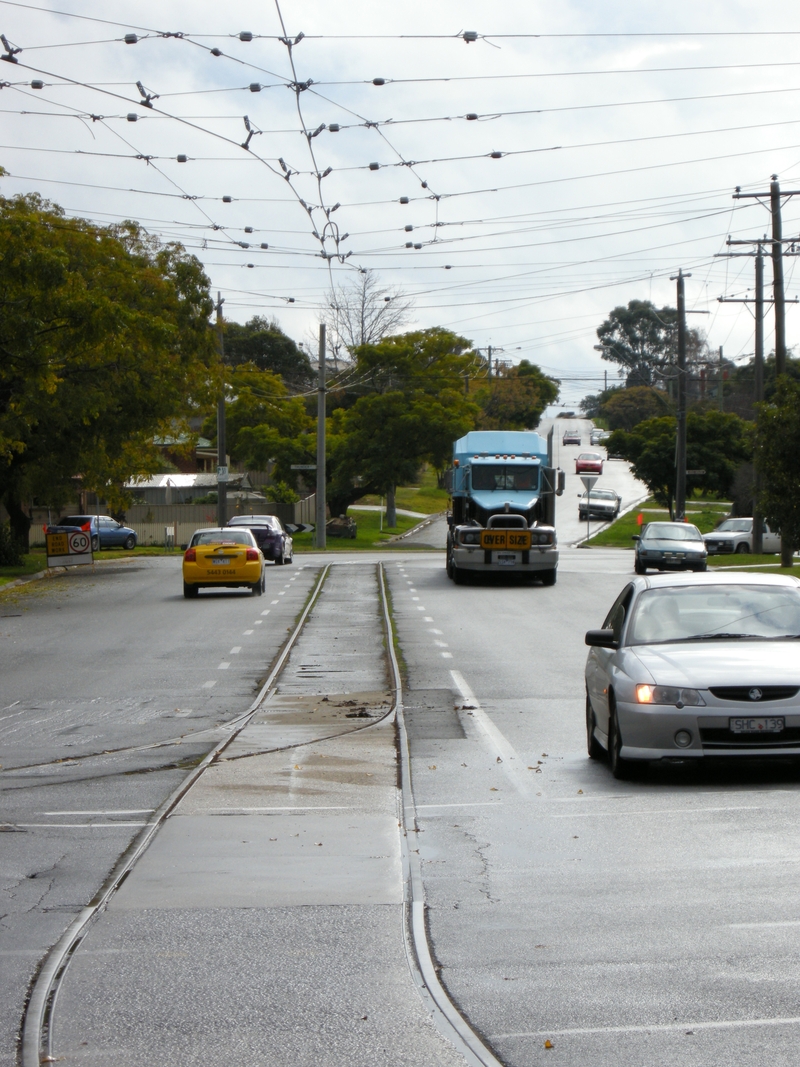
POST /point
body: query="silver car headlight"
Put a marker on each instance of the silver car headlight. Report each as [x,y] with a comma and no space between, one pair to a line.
[668,694]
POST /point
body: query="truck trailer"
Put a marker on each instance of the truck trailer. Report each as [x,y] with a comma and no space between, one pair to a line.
[502,516]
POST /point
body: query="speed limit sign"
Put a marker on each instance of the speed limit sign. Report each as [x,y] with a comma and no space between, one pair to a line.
[79,542]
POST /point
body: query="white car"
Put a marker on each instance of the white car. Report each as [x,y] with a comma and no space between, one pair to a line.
[687,668]
[736,535]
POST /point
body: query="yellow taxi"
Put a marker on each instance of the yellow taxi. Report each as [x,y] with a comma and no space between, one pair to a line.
[223,558]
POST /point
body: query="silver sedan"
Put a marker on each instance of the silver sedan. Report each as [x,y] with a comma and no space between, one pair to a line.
[686,668]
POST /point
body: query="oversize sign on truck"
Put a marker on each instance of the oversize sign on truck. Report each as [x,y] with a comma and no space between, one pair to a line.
[515,539]
[69,549]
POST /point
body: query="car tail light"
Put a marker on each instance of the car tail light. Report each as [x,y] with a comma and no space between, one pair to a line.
[252,555]
[190,556]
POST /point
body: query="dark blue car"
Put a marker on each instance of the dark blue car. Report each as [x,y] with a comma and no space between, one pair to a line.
[106,532]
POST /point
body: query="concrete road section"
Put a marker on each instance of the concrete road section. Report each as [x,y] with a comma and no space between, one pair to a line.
[112,687]
[649,922]
[266,924]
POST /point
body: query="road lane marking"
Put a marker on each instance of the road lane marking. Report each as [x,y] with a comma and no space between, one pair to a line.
[440,644]
[754,926]
[279,594]
[75,825]
[447,655]
[258,622]
[433,631]
[428,618]
[235,650]
[659,812]
[497,742]
[131,811]
[415,598]
[721,1024]
[246,633]
[265,612]
[467,804]
[293,807]
[208,685]
[419,608]
[271,602]
[223,666]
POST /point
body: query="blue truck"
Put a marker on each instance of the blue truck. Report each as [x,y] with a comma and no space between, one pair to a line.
[502,516]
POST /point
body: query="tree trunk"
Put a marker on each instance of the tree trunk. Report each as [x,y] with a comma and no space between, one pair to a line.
[787,550]
[391,509]
[19,521]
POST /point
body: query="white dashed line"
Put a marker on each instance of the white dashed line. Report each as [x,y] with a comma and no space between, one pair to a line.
[223,666]
[419,606]
[271,602]
[441,644]
[235,650]
[258,622]
[415,598]
[434,631]
[265,612]
[428,618]
[246,633]
[208,685]
[279,594]
[447,655]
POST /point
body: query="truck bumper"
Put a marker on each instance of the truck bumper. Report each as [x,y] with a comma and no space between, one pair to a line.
[481,561]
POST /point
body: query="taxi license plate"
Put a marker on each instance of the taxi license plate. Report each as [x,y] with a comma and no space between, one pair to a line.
[220,562]
[519,540]
[771,725]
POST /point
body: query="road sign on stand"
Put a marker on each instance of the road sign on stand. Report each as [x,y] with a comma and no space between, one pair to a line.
[589,480]
[69,549]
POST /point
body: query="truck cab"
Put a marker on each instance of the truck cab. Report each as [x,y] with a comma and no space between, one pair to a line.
[502,515]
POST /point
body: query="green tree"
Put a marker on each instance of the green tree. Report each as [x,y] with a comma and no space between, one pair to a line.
[105,343]
[516,399]
[642,340]
[716,443]
[414,409]
[776,441]
[626,407]
[263,343]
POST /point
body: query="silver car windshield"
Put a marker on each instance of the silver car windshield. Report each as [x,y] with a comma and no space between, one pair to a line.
[714,612]
[668,531]
[601,494]
[735,526]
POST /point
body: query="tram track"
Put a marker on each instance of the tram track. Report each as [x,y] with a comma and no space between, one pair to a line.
[36,1033]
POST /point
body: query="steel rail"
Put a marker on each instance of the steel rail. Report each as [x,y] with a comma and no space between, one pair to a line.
[36,1045]
[445,1014]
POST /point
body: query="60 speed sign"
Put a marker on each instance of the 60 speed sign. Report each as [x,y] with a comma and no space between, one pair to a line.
[79,542]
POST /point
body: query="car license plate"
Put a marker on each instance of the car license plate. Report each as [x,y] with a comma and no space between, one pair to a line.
[507,559]
[219,561]
[772,725]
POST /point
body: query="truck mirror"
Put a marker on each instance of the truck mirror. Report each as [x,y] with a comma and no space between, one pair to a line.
[562,482]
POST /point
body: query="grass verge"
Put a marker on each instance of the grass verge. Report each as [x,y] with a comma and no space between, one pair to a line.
[705,515]
[425,497]
[368,536]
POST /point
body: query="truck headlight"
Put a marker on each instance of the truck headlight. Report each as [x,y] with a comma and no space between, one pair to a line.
[470,537]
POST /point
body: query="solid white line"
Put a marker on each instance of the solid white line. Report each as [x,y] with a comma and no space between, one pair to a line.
[132,811]
[497,742]
[723,1024]
[469,804]
[757,926]
[296,807]
[659,811]
[76,825]
[223,666]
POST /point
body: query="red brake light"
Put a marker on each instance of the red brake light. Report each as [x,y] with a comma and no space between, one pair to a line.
[252,554]
[190,556]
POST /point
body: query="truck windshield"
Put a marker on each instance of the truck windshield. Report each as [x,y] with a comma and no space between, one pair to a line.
[499,476]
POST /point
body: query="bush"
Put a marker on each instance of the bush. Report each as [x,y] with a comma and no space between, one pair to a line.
[281,493]
[10,548]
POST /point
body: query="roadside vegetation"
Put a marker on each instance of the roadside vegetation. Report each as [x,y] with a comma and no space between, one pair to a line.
[369,533]
[706,515]
[425,496]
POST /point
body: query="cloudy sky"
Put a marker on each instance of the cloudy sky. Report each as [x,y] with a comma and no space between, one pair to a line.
[607,143]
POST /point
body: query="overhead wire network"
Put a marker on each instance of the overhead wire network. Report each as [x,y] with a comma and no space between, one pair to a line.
[291,189]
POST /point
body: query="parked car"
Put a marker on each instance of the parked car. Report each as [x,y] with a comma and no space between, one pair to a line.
[223,558]
[106,532]
[600,503]
[669,546]
[589,463]
[736,535]
[270,534]
[692,668]
[571,436]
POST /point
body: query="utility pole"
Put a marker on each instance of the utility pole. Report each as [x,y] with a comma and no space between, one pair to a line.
[778,295]
[321,509]
[222,453]
[758,365]
[680,443]
[720,396]
[489,350]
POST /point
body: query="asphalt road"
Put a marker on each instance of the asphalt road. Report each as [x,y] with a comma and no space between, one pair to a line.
[648,922]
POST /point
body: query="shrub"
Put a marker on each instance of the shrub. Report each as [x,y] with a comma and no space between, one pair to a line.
[10,548]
